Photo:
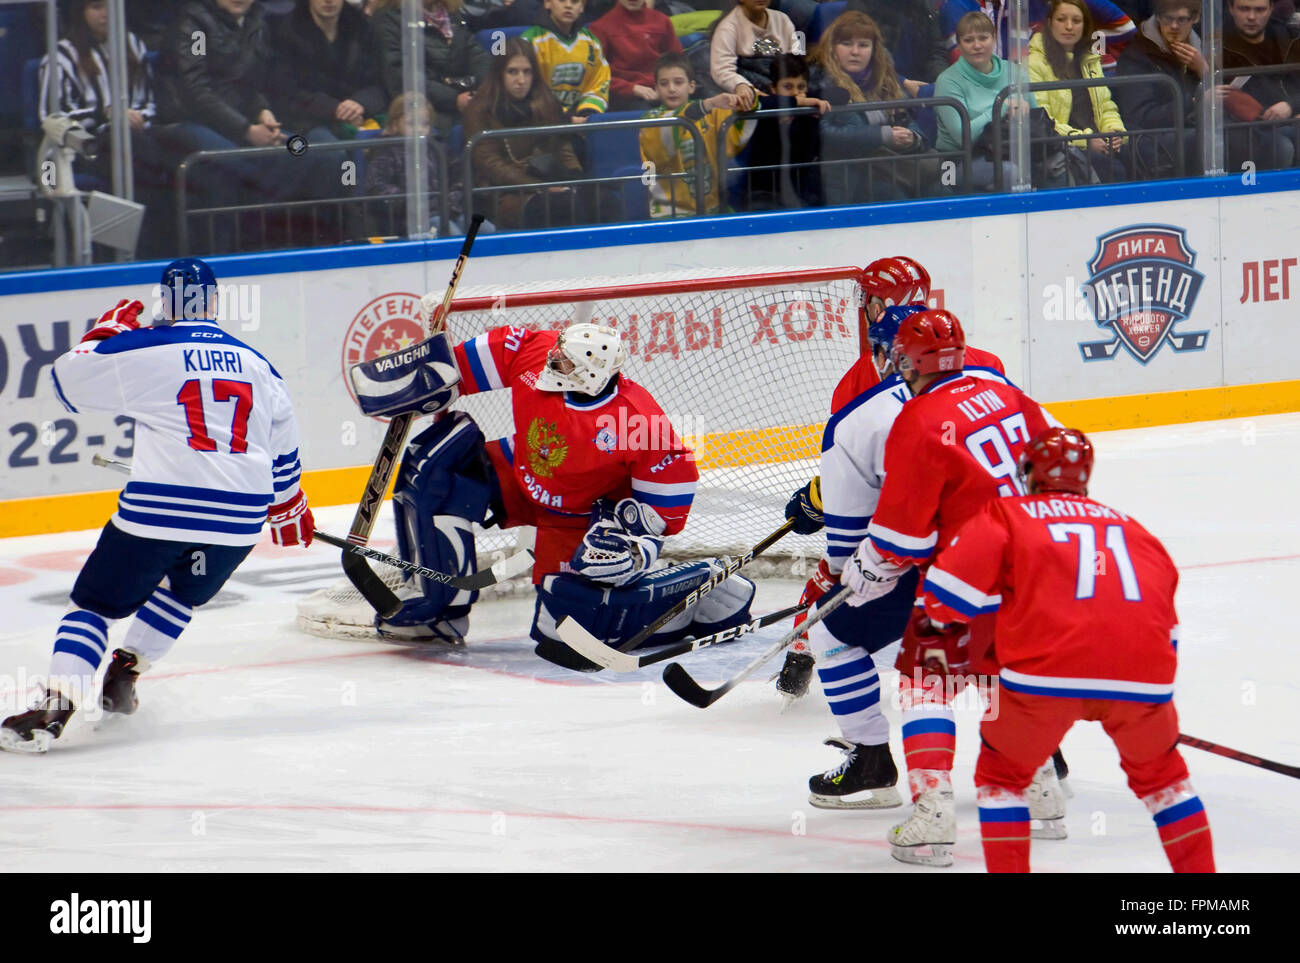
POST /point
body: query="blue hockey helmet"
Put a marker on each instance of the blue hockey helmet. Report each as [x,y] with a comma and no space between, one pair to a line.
[188,290]
[882,332]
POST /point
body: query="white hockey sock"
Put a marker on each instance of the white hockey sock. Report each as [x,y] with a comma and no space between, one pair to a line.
[80,642]
[157,625]
[851,685]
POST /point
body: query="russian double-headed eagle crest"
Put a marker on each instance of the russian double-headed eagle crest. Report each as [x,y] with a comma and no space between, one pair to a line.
[547,448]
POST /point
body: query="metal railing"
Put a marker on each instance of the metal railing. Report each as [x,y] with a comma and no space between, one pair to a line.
[1178,128]
[698,186]
[1273,127]
[889,161]
[188,172]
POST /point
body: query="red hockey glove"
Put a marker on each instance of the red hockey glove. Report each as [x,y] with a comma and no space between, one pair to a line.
[939,649]
[823,581]
[121,318]
[291,522]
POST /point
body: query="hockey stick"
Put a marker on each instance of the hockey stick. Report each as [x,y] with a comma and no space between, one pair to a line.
[608,657]
[501,571]
[569,630]
[1214,747]
[680,681]
[370,585]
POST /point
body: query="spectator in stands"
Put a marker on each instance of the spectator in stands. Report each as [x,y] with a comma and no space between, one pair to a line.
[408,114]
[1166,44]
[1116,26]
[84,95]
[149,20]
[1062,51]
[326,73]
[910,32]
[976,80]
[672,150]
[455,63]
[1254,38]
[852,66]
[497,14]
[634,36]
[787,150]
[742,48]
[214,94]
[571,59]
[514,96]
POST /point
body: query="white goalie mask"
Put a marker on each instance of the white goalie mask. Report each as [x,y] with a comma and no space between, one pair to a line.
[584,358]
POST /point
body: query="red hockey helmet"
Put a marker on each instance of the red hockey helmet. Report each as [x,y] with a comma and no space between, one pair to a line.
[1061,459]
[895,280]
[929,342]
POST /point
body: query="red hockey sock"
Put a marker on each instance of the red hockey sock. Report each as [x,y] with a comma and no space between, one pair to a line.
[1004,829]
[1184,828]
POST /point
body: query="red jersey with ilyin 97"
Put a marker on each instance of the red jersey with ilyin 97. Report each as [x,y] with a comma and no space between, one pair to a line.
[1084,596]
[952,449]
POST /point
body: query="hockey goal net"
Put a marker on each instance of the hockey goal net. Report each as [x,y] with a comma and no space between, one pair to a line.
[743,366]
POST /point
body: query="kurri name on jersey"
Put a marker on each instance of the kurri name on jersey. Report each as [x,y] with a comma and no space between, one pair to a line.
[210,359]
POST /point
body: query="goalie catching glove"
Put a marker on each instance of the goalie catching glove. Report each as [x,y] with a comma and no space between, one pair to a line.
[869,575]
[125,316]
[805,507]
[421,379]
[620,545]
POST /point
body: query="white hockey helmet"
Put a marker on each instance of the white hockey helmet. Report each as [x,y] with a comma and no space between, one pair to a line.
[584,358]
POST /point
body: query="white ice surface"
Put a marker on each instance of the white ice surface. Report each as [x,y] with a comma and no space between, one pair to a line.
[260,748]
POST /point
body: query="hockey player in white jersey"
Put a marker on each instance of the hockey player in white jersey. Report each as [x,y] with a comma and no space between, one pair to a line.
[844,497]
[216,457]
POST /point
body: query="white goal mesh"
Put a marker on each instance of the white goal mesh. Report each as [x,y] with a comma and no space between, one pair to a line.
[743,365]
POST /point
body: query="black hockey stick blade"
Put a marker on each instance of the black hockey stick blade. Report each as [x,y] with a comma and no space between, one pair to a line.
[686,688]
[1246,757]
[500,571]
[370,585]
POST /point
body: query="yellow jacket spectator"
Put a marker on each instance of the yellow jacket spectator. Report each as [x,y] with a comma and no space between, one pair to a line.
[1087,111]
[571,60]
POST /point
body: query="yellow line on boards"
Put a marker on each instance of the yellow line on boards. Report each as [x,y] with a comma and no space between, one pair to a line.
[342,486]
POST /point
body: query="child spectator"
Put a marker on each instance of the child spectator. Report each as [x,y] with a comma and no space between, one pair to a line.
[852,66]
[1063,51]
[976,80]
[326,73]
[1166,44]
[571,60]
[409,114]
[455,63]
[743,44]
[513,97]
[634,36]
[671,150]
[787,150]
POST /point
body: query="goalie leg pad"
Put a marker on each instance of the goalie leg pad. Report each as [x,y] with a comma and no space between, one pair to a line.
[443,488]
[614,615]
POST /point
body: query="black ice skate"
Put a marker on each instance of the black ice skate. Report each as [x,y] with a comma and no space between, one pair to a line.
[795,675]
[119,682]
[35,729]
[865,779]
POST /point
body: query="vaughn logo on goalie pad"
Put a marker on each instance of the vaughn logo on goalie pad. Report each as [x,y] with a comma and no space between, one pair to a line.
[389,323]
[1143,283]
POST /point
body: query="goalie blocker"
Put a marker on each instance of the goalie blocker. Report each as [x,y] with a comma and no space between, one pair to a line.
[422,379]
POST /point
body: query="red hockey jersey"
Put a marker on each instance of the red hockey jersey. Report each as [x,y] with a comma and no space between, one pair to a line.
[569,450]
[863,375]
[952,449]
[1085,597]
